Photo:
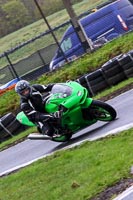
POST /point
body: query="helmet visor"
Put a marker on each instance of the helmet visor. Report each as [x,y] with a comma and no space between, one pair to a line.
[25,92]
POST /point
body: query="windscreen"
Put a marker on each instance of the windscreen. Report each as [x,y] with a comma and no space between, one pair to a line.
[61,90]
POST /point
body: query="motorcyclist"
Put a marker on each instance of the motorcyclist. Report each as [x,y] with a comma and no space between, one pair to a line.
[32,103]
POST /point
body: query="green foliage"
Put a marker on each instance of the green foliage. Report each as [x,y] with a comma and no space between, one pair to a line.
[34,29]
[15,14]
[78,68]
[91,62]
[9,102]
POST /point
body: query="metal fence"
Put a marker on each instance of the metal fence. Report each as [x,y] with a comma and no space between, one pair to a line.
[15,63]
[29,67]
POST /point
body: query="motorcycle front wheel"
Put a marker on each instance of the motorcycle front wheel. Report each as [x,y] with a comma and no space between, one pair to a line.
[102,111]
[62,138]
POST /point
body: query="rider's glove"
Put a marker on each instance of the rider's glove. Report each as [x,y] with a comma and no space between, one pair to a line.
[43,117]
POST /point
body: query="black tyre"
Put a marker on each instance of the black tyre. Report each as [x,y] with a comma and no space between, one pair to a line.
[113,71]
[102,111]
[111,62]
[99,87]
[116,79]
[62,138]
[96,81]
[7,119]
[129,73]
[14,126]
[95,78]
[82,81]
[130,53]
[94,75]
[3,134]
[128,66]
[124,59]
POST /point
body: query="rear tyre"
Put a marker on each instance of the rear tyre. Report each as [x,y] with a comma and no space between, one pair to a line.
[102,111]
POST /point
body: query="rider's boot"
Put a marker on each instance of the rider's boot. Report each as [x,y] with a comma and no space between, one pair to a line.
[46,128]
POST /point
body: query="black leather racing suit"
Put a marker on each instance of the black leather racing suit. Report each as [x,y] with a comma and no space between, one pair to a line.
[33,107]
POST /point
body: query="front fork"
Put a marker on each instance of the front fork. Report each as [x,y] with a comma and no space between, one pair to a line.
[87,103]
[86,111]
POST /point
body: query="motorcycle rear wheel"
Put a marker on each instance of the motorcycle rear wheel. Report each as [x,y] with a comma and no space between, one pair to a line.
[102,111]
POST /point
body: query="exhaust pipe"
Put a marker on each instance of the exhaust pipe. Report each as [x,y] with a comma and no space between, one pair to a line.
[34,136]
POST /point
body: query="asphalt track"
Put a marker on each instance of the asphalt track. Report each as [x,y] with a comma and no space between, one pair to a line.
[29,151]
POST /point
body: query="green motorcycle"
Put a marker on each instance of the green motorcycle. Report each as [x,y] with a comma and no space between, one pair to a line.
[77,110]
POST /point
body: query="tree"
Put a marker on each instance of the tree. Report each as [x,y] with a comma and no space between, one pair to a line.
[31,8]
[16,15]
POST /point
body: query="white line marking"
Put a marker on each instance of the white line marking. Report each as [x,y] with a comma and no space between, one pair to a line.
[124,194]
[114,131]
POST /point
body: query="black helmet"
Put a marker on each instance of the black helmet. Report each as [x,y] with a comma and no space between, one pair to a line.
[23,88]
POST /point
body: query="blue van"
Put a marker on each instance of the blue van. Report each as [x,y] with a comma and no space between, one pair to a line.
[101,26]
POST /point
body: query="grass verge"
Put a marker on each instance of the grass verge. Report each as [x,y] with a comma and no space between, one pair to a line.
[78,173]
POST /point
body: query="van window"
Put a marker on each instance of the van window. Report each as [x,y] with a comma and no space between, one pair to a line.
[125,9]
[123,4]
[66,44]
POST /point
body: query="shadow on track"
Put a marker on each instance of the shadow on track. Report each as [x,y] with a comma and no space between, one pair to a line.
[80,137]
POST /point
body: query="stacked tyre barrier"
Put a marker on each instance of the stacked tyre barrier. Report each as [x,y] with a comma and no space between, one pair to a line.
[126,61]
[9,126]
[111,73]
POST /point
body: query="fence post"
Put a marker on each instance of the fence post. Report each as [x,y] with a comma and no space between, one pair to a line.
[41,58]
[5,129]
[51,31]
[11,67]
[85,41]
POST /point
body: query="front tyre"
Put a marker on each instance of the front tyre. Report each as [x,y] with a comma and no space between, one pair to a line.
[62,138]
[102,111]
